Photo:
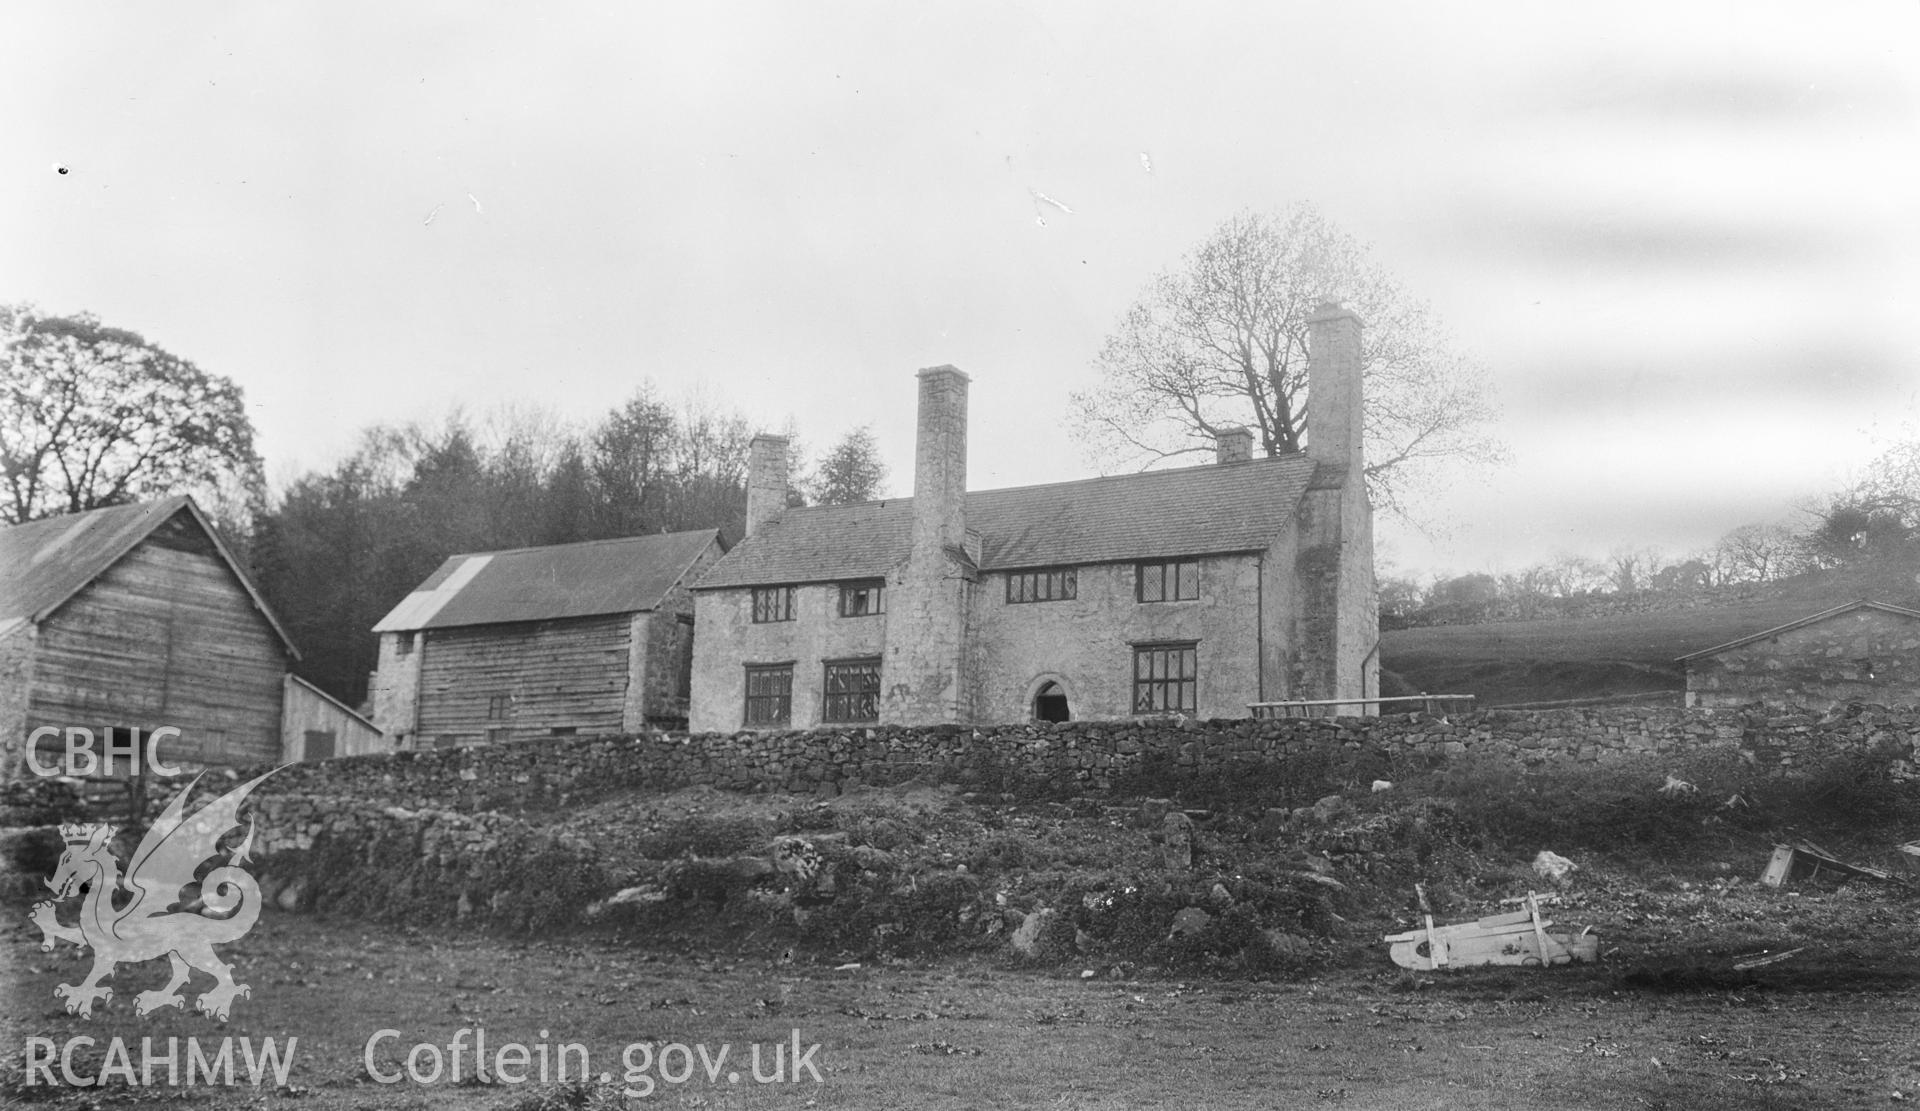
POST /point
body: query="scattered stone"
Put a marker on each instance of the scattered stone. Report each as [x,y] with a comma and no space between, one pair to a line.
[1285,945]
[1176,841]
[1153,811]
[1329,808]
[796,857]
[1380,785]
[293,896]
[1190,921]
[1552,866]
[1026,939]
[1221,896]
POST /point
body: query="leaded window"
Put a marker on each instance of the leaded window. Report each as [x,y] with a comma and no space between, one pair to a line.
[1171,580]
[852,691]
[1053,584]
[772,603]
[1165,679]
[769,694]
[863,599]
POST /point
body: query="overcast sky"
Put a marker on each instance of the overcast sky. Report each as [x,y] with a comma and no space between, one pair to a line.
[1683,238]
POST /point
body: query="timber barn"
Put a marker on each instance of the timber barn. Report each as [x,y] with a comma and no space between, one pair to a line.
[137,617]
[1196,591]
[591,638]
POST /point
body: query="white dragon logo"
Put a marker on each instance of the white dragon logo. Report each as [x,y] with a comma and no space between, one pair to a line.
[146,926]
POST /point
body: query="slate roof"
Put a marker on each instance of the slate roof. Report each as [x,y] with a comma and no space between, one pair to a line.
[1205,510]
[1810,619]
[539,584]
[45,563]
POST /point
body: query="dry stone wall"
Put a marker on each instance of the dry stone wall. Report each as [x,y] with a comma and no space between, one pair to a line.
[1069,758]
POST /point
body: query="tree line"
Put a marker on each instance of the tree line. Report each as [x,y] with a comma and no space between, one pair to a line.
[335,550]
[93,416]
[1872,524]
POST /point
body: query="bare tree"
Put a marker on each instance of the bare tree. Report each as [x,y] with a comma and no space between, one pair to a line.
[1630,569]
[93,416]
[1567,575]
[1758,553]
[1221,340]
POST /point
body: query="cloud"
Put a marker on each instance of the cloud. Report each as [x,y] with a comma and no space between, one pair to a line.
[1726,98]
[1587,238]
[1825,371]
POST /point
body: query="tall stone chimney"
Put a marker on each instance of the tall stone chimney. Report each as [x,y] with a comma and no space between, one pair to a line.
[1233,445]
[1337,632]
[766,481]
[940,462]
[1335,421]
[924,678]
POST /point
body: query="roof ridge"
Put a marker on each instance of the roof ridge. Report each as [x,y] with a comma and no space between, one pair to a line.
[582,543]
[1292,456]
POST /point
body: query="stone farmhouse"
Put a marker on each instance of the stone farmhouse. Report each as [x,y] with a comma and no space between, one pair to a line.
[136,619]
[1192,591]
[1860,652]
[591,638]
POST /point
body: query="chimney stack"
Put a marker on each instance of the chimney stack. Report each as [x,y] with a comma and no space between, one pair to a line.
[925,676]
[940,463]
[1233,445]
[1335,422]
[766,481]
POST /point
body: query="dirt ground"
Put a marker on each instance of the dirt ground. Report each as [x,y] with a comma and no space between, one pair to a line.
[979,1033]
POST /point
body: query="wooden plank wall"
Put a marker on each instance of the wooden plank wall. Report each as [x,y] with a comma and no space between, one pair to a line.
[309,712]
[556,674]
[166,636]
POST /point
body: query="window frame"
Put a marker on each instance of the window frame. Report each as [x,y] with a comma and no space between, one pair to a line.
[784,717]
[1156,682]
[874,589]
[778,607]
[841,707]
[403,644]
[1160,570]
[1043,584]
[499,707]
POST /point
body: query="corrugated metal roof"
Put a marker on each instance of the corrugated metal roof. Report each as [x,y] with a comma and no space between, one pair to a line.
[540,584]
[1235,507]
[1897,611]
[43,563]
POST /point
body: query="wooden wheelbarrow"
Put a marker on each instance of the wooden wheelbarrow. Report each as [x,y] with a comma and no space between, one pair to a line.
[1518,937]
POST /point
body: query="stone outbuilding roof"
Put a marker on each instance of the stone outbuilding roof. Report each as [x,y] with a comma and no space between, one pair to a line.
[1189,511]
[1810,619]
[589,579]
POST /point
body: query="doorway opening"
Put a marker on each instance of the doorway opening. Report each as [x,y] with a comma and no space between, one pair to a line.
[1050,703]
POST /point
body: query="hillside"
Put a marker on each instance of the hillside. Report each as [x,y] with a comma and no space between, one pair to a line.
[1619,654]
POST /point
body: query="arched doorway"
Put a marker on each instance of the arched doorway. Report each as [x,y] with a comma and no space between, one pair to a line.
[1050,702]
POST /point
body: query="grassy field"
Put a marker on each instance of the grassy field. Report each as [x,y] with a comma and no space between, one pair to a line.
[1565,658]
